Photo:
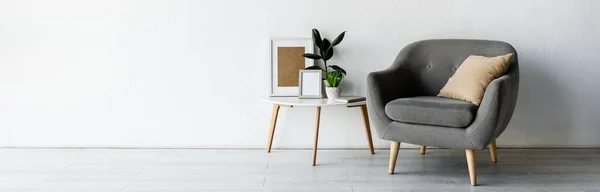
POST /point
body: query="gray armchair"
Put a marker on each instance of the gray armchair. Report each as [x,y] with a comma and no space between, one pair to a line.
[403,106]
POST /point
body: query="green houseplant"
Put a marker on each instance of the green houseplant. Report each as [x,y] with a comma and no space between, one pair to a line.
[333,73]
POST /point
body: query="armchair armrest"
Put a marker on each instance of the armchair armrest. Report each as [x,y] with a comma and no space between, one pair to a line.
[391,83]
[495,110]
[387,85]
[383,87]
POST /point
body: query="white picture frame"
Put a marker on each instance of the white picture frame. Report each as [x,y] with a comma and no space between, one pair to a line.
[276,42]
[311,84]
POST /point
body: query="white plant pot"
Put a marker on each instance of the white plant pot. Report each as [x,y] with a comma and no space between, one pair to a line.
[333,92]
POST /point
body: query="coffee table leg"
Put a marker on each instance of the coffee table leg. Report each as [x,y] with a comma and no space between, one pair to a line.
[365,115]
[314,157]
[272,129]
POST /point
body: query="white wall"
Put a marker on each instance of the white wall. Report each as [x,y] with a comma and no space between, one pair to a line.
[138,73]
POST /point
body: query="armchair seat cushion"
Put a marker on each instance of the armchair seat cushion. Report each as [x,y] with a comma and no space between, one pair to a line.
[429,110]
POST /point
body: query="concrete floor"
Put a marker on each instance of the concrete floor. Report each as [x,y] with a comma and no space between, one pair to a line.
[178,170]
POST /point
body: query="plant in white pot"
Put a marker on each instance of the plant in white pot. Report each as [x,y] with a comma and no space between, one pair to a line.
[333,73]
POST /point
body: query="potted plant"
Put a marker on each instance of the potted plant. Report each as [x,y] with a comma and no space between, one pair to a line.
[333,73]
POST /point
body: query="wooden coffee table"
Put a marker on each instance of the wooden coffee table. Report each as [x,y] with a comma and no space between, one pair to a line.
[279,102]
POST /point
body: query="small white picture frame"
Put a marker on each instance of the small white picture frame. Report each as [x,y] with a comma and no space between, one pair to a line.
[282,87]
[311,84]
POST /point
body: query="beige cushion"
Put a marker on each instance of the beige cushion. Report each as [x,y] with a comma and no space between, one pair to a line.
[473,76]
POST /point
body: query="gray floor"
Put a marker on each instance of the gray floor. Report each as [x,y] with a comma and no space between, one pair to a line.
[176,170]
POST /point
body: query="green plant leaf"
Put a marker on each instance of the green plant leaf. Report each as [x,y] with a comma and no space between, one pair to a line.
[339,39]
[330,79]
[311,56]
[338,68]
[334,78]
[338,79]
[328,54]
[314,67]
[317,38]
[326,45]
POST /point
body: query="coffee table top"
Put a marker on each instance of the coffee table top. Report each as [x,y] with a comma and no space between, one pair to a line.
[295,101]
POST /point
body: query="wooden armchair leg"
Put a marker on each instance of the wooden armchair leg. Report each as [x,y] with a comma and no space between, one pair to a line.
[493,153]
[423,148]
[393,156]
[471,163]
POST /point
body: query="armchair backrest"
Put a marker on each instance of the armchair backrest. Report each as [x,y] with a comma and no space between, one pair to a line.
[430,63]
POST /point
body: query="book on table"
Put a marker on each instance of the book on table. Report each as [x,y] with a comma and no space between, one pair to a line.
[350,99]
